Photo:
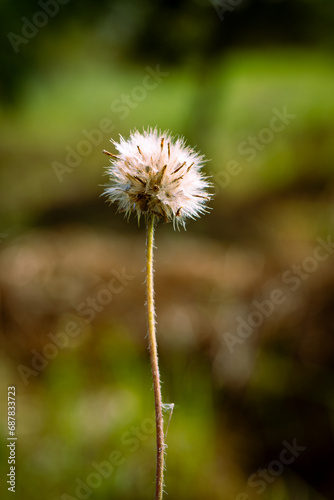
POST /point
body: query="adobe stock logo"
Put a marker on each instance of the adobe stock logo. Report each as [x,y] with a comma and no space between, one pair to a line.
[102,471]
[122,106]
[61,340]
[30,29]
[250,147]
[289,282]
[262,477]
[223,6]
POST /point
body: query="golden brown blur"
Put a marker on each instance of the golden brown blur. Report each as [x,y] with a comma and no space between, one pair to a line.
[244,296]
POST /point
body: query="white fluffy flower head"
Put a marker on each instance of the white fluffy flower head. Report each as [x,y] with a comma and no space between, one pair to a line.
[157,174]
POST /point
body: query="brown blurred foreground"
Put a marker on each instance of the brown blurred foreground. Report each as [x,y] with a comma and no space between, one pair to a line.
[261,322]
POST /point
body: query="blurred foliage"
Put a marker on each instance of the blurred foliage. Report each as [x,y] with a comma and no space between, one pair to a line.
[222,80]
[171,32]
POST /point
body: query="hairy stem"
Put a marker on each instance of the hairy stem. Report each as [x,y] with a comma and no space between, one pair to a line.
[154,359]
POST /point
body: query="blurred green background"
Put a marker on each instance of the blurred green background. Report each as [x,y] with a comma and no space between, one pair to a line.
[250,83]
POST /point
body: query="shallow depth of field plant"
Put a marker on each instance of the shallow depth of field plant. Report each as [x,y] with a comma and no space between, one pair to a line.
[156,176]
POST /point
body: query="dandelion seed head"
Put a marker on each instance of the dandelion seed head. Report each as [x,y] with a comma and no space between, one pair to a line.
[157,174]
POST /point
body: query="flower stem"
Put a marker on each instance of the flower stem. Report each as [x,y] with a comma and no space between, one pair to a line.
[154,359]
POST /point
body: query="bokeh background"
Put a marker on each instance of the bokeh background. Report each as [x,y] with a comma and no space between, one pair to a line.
[245,296]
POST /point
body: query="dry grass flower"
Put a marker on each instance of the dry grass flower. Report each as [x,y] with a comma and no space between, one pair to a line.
[157,174]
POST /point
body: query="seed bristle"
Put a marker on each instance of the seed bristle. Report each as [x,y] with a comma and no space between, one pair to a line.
[110,154]
[199,196]
[178,178]
[161,174]
[179,168]
[162,143]
[135,177]
[140,180]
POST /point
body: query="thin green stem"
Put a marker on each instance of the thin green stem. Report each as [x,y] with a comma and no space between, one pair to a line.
[154,359]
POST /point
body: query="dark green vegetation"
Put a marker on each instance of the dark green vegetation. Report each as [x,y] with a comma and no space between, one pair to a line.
[245,297]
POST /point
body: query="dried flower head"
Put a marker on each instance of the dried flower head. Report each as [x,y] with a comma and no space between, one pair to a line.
[156,174]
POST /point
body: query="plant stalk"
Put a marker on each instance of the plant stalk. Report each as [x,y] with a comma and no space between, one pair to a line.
[154,360]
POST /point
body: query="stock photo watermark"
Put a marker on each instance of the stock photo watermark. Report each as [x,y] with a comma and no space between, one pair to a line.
[262,477]
[291,279]
[223,6]
[250,147]
[60,340]
[12,438]
[130,441]
[95,304]
[121,106]
[30,28]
